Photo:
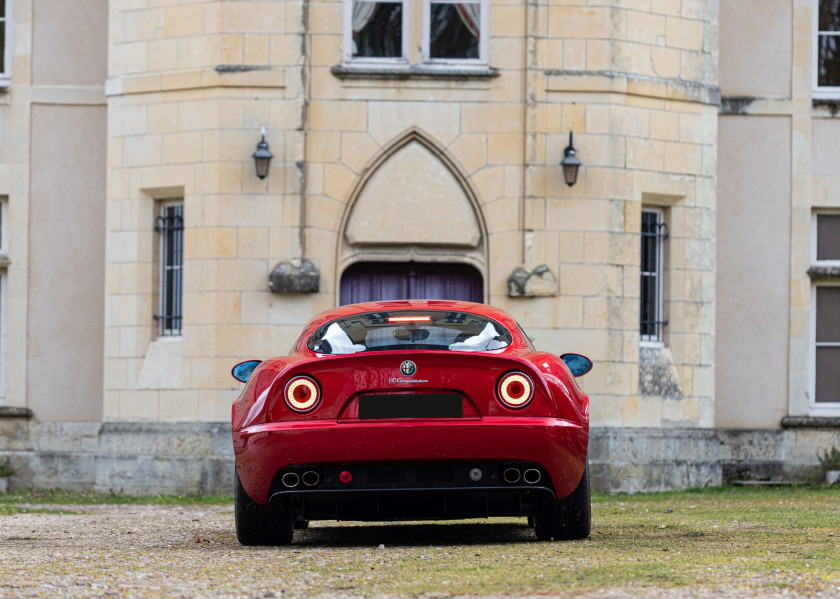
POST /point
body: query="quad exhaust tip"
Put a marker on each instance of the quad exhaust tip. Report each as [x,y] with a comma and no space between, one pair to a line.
[290,480]
[311,478]
[532,476]
[511,475]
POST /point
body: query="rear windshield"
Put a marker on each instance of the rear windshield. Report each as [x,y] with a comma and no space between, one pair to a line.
[409,329]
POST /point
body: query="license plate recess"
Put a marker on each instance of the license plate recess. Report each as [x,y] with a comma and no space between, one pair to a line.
[411,405]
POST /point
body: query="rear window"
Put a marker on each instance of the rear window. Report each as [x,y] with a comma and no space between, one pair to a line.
[409,329]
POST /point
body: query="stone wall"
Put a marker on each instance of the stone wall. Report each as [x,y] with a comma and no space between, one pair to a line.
[369,163]
[197,458]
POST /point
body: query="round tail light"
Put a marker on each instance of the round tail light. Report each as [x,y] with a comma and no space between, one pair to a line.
[302,394]
[515,390]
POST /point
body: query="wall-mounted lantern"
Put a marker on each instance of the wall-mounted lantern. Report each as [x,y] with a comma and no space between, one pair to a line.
[570,163]
[262,157]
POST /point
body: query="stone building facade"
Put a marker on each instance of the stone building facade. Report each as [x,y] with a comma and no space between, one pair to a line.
[423,137]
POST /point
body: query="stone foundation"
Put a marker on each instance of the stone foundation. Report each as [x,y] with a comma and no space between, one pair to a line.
[197,458]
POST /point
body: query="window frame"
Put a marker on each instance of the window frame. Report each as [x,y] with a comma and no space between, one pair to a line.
[658,339]
[4,282]
[347,35]
[409,59]
[823,408]
[4,226]
[483,43]
[162,317]
[6,74]
[820,92]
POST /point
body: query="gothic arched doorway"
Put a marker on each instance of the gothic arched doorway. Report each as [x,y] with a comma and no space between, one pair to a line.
[377,281]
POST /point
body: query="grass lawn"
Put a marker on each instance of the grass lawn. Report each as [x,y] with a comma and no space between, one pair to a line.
[729,539]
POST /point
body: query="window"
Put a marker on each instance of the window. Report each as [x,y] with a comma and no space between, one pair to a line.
[4,225]
[5,41]
[3,295]
[825,319]
[4,258]
[170,228]
[654,234]
[404,329]
[454,30]
[377,30]
[827,47]
[450,31]
[827,345]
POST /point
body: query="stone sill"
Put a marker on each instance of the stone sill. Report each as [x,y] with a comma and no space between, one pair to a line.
[412,72]
[10,412]
[811,422]
[831,104]
[824,273]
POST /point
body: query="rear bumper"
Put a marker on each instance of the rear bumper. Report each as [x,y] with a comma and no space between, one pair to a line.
[559,446]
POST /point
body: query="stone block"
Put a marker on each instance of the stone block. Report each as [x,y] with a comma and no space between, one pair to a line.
[182,21]
[298,276]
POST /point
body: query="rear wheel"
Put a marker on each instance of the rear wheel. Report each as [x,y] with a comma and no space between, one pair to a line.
[566,519]
[259,524]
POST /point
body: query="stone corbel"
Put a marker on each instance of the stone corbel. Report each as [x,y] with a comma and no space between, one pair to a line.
[295,276]
[539,282]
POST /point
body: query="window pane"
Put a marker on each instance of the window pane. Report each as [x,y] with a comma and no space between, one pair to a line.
[828,314]
[828,237]
[454,30]
[377,29]
[828,375]
[829,59]
[829,15]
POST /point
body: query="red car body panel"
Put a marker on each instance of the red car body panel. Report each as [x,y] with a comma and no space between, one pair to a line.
[552,430]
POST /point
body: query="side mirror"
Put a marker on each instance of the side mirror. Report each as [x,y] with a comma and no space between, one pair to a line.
[242,371]
[578,364]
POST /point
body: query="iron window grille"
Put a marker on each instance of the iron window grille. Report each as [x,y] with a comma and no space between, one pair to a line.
[654,234]
[170,228]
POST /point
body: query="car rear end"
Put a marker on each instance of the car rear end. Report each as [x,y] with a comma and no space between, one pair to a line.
[402,421]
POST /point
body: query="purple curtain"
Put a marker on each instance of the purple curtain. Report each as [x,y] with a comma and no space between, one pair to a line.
[376,281]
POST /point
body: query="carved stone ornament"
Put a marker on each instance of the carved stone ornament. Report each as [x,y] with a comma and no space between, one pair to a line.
[295,276]
[539,282]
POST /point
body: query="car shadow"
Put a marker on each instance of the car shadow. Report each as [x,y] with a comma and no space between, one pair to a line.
[412,535]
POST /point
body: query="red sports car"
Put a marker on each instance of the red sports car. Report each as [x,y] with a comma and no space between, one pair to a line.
[404,410]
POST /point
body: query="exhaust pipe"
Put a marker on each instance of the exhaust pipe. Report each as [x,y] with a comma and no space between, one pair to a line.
[532,476]
[511,475]
[291,480]
[311,478]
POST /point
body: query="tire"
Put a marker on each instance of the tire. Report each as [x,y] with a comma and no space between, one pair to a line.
[566,519]
[259,524]
[301,524]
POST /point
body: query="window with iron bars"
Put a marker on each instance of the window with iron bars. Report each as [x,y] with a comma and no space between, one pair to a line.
[654,234]
[170,228]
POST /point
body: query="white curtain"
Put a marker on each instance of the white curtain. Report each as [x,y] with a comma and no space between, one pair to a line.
[362,14]
[471,17]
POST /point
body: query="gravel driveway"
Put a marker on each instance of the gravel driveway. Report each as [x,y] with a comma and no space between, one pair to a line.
[178,551]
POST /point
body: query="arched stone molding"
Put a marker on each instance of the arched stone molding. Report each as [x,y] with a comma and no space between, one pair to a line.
[447,226]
